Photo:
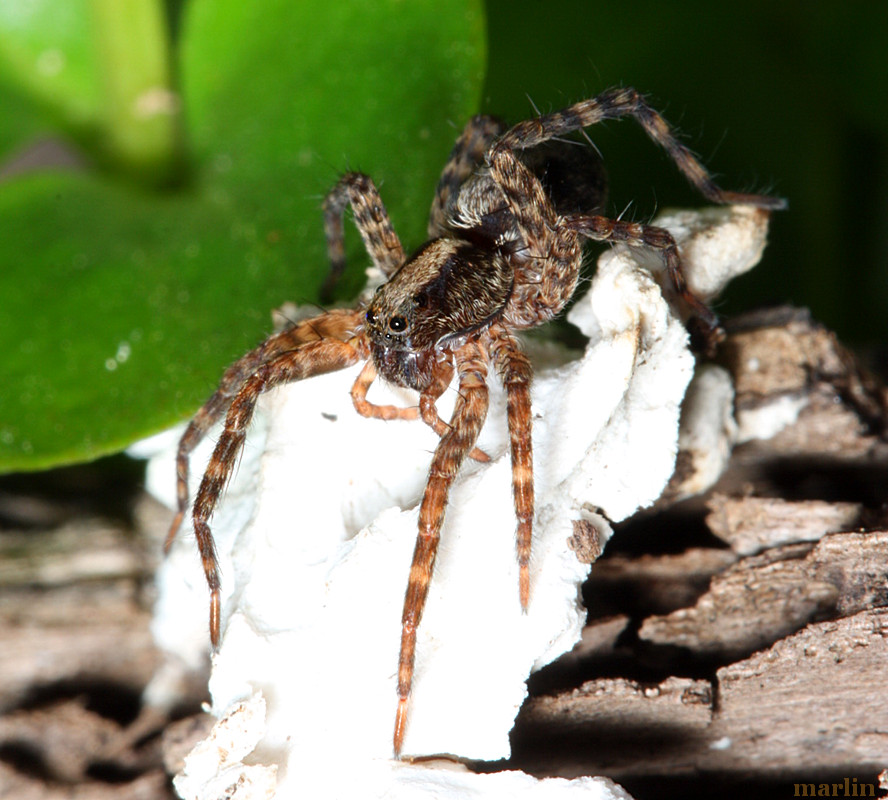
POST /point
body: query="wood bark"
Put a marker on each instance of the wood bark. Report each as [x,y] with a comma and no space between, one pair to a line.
[755,650]
[735,640]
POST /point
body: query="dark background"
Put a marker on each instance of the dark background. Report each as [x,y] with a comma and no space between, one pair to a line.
[787,98]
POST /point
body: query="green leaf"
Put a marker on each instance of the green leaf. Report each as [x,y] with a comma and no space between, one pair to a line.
[47,52]
[100,71]
[122,306]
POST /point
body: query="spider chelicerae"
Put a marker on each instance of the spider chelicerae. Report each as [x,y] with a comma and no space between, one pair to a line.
[511,213]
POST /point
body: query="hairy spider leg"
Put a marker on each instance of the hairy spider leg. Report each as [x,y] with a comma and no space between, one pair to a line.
[636,234]
[550,243]
[457,442]
[627,102]
[465,158]
[516,374]
[429,410]
[371,220]
[548,263]
[314,358]
[338,324]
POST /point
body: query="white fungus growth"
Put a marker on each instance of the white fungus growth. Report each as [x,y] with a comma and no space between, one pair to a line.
[316,533]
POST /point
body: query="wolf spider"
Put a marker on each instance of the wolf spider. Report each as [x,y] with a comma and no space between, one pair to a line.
[511,213]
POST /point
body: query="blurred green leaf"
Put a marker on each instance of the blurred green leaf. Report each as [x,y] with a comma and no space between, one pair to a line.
[48,53]
[122,306]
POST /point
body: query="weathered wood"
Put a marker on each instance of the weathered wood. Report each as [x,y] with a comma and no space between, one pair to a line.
[758,662]
[788,628]
[815,701]
[751,524]
[811,705]
[763,598]
[656,583]
[75,655]
[787,367]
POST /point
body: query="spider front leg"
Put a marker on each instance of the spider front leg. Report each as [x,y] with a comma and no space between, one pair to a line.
[429,410]
[456,443]
[371,220]
[367,409]
[336,324]
[314,358]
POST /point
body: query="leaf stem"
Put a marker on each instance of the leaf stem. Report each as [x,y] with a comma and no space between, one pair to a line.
[141,126]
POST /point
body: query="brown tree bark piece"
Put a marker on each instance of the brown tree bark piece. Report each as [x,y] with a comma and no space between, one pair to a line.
[71,610]
[815,702]
[766,597]
[811,705]
[76,653]
[656,584]
[782,358]
[752,524]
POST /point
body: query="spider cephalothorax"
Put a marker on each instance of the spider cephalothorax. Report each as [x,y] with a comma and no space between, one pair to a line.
[508,222]
[448,290]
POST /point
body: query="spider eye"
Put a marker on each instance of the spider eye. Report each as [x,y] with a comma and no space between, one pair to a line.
[371,317]
[421,299]
[398,324]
